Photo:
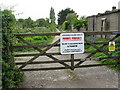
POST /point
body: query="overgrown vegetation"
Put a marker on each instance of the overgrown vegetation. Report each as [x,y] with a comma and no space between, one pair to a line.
[69,20]
[40,25]
[11,75]
[112,53]
[36,40]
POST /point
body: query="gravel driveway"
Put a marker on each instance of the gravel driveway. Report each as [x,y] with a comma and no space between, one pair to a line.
[93,77]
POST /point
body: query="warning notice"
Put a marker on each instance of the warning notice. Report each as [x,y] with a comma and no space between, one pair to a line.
[71,43]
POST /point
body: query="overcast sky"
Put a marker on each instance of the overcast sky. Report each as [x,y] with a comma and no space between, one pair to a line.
[41,8]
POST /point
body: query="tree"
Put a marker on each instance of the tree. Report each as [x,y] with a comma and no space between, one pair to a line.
[77,24]
[62,15]
[52,15]
[71,17]
[28,23]
[42,22]
[25,23]
[47,20]
[66,25]
[82,23]
[20,22]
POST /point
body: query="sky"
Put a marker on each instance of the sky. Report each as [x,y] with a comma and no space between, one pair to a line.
[41,8]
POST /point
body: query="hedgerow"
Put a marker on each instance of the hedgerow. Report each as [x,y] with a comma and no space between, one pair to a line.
[11,75]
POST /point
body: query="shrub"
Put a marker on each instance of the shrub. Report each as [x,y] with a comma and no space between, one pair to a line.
[38,38]
[11,75]
[45,38]
[29,39]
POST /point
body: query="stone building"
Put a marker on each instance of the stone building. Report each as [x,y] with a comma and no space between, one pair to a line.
[108,21]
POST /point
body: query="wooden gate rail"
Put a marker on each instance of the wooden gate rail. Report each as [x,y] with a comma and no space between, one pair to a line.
[28,46]
[72,59]
[82,66]
[86,33]
[75,60]
[24,55]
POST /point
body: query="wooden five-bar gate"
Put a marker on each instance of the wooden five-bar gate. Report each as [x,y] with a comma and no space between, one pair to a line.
[72,60]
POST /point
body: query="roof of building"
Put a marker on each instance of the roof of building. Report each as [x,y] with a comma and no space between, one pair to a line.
[106,13]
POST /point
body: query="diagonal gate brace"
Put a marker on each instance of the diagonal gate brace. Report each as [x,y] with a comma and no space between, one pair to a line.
[41,52]
[99,49]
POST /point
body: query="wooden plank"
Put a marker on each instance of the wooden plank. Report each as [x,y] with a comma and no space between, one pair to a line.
[112,57]
[46,62]
[28,46]
[50,68]
[94,65]
[72,61]
[58,68]
[25,55]
[54,34]
[75,60]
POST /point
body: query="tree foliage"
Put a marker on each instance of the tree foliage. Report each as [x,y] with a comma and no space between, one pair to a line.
[81,23]
[42,23]
[71,17]
[83,19]
[62,15]
[26,23]
[66,25]
[52,15]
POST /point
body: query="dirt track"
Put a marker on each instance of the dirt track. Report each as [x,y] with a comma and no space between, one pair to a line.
[94,77]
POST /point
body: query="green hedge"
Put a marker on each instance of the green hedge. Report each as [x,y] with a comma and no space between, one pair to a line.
[11,75]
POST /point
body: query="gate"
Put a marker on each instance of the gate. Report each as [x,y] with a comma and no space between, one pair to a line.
[74,63]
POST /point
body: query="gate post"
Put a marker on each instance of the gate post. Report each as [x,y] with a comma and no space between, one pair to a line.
[72,61]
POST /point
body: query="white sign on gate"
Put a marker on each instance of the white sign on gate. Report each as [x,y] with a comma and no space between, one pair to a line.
[71,43]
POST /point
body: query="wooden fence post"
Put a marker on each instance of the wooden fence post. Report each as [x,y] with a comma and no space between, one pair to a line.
[72,61]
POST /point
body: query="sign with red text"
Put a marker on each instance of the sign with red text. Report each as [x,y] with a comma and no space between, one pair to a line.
[71,43]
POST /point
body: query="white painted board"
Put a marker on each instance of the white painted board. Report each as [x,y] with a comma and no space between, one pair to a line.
[71,43]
